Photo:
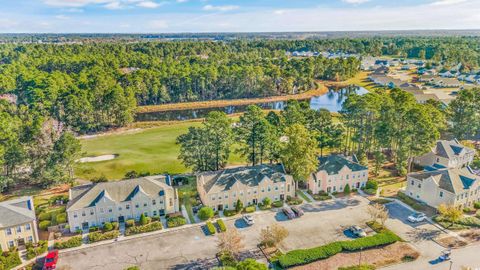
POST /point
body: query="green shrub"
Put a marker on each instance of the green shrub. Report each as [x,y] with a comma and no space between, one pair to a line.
[115,225]
[267,201]
[133,268]
[376,227]
[98,236]
[176,221]
[229,213]
[250,209]
[210,228]
[347,190]
[130,223]
[476,205]
[43,225]
[61,218]
[227,259]
[277,204]
[154,226]
[75,241]
[93,229]
[107,226]
[293,200]
[205,213]
[45,216]
[9,259]
[467,210]
[470,222]
[371,184]
[221,225]
[33,251]
[304,256]
[143,220]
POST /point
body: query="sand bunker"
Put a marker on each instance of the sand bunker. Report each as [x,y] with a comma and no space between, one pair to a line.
[97,158]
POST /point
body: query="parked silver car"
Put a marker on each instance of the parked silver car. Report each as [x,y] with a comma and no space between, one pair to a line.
[357,231]
[288,212]
[298,212]
[248,219]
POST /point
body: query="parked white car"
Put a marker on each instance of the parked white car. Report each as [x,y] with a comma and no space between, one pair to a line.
[417,217]
[249,220]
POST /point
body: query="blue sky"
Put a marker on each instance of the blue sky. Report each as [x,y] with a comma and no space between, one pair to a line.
[141,16]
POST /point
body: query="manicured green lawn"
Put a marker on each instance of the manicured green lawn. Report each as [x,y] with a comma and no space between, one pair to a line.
[151,150]
[304,197]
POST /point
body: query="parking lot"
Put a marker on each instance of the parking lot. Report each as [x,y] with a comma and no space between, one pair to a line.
[190,248]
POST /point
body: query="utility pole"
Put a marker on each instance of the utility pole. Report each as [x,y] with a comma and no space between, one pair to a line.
[451,263]
[360,259]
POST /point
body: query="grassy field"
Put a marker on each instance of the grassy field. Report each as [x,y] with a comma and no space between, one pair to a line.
[151,150]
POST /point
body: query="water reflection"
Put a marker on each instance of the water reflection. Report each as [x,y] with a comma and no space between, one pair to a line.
[332,101]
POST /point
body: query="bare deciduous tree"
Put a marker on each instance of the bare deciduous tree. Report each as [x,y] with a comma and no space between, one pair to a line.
[273,235]
[378,212]
[230,241]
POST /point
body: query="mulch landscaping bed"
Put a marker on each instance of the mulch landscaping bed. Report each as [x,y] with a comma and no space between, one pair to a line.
[391,254]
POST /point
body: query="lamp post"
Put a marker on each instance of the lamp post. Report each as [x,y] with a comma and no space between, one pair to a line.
[360,259]
[451,263]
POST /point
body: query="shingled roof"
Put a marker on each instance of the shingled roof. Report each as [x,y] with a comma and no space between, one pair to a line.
[119,191]
[332,164]
[223,180]
[453,180]
[450,149]
[17,211]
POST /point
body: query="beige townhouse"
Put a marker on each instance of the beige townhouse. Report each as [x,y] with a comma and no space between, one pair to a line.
[17,223]
[451,186]
[94,204]
[446,154]
[335,172]
[222,189]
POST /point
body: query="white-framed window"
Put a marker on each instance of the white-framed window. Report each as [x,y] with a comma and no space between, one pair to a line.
[11,244]
[74,214]
[9,231]
[127,206]
[441,193]
[101,209]
[27,227]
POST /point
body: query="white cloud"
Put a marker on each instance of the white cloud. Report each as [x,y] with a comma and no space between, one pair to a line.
[74,3]
[114,5]
[447,2]
[148,4]
[62,17]
[356,2]
[220,8]
[72,10]
[182,1]
[279,11]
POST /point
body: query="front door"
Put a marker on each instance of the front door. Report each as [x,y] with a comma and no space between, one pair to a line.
[21,242]
[121,219]
[220,207]
[85,225]
[255,201]
[282,197]
[358,185]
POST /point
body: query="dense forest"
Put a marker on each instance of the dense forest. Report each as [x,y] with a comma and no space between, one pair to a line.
[92,87]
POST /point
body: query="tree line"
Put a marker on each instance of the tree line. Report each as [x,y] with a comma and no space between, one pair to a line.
[96,86]
[375,125]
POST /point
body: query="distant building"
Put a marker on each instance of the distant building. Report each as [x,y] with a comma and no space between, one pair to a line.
[335,171]
[446,154]
[450,186]
[18,224]
[222,189]
[94,204]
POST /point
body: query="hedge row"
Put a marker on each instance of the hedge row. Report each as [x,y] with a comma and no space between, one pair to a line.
[221,225]
[305,256]
[154,226]
[250,209]
[176,221]
[75,241]
[211,228]
[98,236]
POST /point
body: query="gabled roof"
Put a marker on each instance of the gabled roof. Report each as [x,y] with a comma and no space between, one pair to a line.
[119,191]
[454,180]
[17,211]
[450,149]
[224,180]
[332,164]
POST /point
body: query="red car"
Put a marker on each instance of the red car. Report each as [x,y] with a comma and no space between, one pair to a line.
[51,260]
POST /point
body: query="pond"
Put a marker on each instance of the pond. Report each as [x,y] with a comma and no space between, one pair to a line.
[332,101]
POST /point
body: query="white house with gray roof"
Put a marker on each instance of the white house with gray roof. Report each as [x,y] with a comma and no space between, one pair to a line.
[222,189]
[451,186]
[18,225]
[335,172]
[94,204]
[446,154]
